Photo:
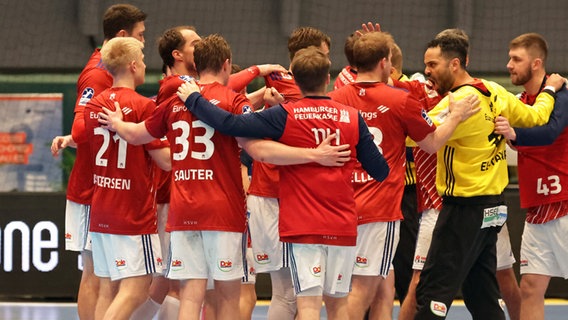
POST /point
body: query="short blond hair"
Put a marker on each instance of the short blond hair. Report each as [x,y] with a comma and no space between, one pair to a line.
[119,52]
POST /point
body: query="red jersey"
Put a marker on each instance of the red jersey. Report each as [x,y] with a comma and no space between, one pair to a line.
[317,204]
[124,196]
[265,176]
[93,80]
[168,88]
[392,114]
[425,162]
[346,76]
[206,191]
[541,169]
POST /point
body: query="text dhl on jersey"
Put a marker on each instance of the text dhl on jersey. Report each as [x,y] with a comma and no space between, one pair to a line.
[193,174]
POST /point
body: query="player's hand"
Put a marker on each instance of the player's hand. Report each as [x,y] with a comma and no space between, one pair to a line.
[332,156]
[465,107]
[369,27]
[272,96]
[186,89]
[503,127]
[266,69]
[61,142]
[109,119]
[556,80]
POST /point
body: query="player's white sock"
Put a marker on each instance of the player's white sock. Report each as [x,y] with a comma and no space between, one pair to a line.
[146,311]
[169,308]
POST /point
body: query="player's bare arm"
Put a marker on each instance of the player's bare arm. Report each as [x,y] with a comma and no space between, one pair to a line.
[266,69]
[272,96]
[503,127]
[133,133]
[162,158]
[61,142]
[557,81]
[280,154]
[186,89]
[460,111]
[464,108]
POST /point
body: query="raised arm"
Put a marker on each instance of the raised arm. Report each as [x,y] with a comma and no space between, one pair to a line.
[540,135]
[238,81]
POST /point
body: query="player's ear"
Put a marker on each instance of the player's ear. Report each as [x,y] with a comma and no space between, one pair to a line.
[536,63]
[122,33]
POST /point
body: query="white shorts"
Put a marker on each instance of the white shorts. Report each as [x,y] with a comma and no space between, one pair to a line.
[424,238]
[76,226]
[544,249]
[321,266]
[505,257]
[268,251]
[200,254]
[376,246]
[121,256]
[164,236]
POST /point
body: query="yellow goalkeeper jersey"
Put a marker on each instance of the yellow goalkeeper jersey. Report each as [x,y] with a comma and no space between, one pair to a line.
[473,161]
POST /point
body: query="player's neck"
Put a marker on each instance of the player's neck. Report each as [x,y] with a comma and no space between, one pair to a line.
[124,82]
[207,78]
[462,78]
[183,71]
[368,77]
[533,86]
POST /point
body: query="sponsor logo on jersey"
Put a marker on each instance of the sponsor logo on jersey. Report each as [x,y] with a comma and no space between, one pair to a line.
[225,265]
[361,262]
[247,109]
[262,258]
[159,261]
[252,271]
[68,236]
[186,78]
[438,308]
[339,277]
[362,92]
[120,263]
[316,271]
[276,76]
[427,118]
[368,115]
[344,116]
[419,259]
[86,96]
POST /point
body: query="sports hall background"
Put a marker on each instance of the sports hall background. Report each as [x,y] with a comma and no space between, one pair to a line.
[45,44]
